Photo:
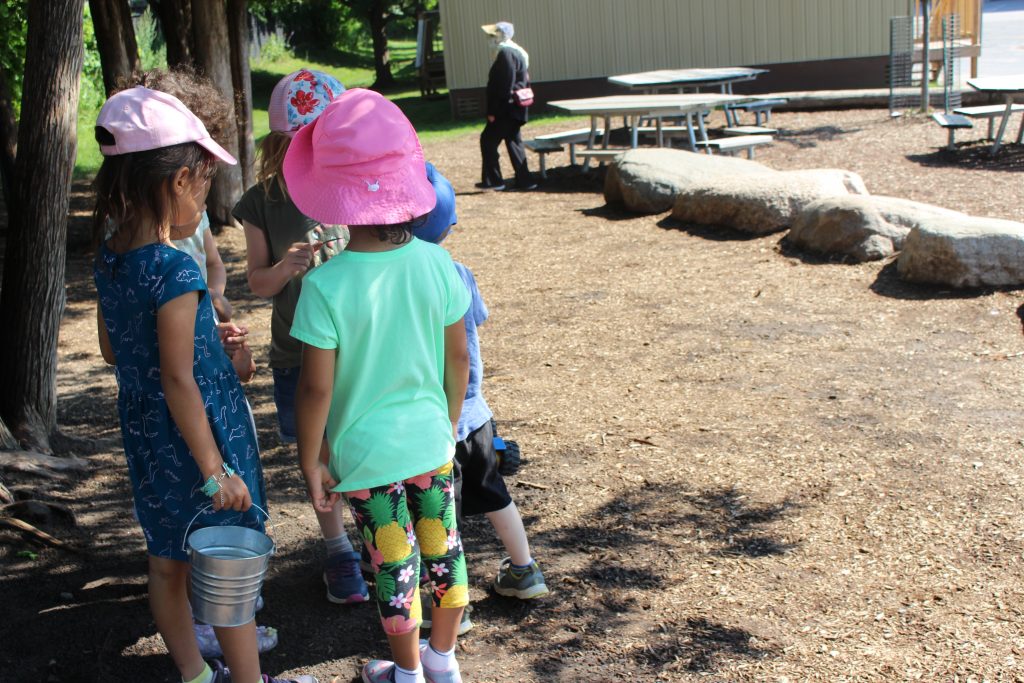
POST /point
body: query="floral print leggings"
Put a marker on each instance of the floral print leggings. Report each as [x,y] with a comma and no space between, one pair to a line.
[405,525]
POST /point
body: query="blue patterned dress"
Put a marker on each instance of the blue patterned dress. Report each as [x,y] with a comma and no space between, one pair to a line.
[166,481]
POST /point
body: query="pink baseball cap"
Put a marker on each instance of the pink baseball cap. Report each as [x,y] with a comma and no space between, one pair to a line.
[359,163]
[140,119]
[298,99]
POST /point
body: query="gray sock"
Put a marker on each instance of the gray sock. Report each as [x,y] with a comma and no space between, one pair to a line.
[338,544]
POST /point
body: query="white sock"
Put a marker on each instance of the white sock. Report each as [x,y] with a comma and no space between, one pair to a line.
[205,677]
[338,544]
[406,676]
[438,661]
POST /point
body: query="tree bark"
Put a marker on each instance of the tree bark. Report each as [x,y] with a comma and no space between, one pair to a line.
[213,57]
[241,79]
[115,38]
[377,17]
[176,23]
[32,295]
[8,140]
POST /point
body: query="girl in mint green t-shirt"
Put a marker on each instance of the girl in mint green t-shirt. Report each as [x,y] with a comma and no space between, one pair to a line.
[384,371]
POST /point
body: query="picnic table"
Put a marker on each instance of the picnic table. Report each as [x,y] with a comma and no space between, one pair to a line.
[683,80]
[1010,87]
[633,108]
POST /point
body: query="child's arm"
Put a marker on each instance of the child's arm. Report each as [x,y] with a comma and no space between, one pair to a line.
[175,323]
[216,277]
[456,370]
[105,348]
[267,278]
[312,403]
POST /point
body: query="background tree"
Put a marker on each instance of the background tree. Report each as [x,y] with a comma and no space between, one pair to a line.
[176,23]
[213,59]
[241,79]
[32,294]
[115,39]
[378,14]
[13,33]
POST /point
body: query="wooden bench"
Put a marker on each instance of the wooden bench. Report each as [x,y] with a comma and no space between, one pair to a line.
[552,142]
[761,107]
[732,145]
[988,111]
[952,122]
[749,130]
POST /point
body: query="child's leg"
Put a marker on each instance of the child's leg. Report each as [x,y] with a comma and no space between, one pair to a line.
[508,524]
[240,651]
[383,521]
[168,600]
[432,503]
[344,579]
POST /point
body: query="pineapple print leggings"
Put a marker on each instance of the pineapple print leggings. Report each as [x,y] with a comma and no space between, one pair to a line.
[401,524]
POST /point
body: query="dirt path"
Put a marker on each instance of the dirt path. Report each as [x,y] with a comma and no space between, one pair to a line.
[752,465]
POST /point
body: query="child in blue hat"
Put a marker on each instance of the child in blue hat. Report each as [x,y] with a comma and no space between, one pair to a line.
[483,489]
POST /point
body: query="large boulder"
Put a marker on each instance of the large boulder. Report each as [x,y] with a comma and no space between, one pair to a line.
[761,203]
[965,251]
[860,227]
[649,180]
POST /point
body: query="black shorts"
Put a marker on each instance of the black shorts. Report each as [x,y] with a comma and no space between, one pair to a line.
[482,488]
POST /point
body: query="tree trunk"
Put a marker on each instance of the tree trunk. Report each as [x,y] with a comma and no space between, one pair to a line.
[213,57]
[8,140]
[377,17]
[238,28]
[115,38]
[176,23]
[32,295]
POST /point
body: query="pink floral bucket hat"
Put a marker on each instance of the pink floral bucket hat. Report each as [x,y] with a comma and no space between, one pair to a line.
[359,163]
[298,99]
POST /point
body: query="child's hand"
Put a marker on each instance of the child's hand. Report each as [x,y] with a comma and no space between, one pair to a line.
[319,483]
[233,495]
[232,336]
[243,363]
[298,258]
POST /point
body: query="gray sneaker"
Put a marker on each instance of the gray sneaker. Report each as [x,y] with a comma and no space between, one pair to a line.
[465,626]
[524,584]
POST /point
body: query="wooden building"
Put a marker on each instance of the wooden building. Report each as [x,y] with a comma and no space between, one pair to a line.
[575,45]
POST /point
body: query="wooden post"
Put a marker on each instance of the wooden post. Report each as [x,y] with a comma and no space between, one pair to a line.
[925,49]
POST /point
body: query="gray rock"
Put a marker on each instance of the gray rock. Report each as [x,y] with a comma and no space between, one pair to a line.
[965,251]
[763,203]
[861,228]
[649,180]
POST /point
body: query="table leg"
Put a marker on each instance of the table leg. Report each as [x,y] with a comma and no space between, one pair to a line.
[700,124]
[634,132]
[689,128]
[1002,124]
[661,136]
[590,140]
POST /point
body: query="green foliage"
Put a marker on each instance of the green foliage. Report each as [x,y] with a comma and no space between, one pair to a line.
[274,49]
[13,38]
[152,47]
[91,93]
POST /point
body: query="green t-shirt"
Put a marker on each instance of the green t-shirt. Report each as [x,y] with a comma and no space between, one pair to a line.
[385,313]
[282,225]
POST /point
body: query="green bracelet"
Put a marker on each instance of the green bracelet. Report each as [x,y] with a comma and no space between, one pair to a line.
[212,484]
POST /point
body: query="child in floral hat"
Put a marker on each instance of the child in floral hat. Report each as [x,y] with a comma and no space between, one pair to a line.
[384,371]
[281,246]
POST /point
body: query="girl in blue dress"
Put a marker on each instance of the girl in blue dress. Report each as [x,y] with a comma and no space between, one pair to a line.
[188,435]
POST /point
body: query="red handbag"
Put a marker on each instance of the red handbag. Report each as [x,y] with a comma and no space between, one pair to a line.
[523,96]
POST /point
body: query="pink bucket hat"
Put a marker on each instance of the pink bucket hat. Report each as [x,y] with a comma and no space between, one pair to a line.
[140,119]
[298,99]
[359,163]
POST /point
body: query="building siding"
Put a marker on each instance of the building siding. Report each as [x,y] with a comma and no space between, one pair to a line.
[582,39]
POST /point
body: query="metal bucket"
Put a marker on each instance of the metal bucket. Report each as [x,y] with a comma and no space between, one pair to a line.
[228,566]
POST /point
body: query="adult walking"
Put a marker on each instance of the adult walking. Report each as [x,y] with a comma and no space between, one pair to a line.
[505,116]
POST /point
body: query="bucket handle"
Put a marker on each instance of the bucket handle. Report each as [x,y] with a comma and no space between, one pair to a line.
[184,539]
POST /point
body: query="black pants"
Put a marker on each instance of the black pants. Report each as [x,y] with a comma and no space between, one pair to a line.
[495,131]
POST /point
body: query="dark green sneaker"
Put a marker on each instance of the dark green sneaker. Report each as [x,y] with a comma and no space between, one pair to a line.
[465,626]
[525,584]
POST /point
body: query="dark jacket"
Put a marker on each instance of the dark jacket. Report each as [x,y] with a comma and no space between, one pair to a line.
[508,73]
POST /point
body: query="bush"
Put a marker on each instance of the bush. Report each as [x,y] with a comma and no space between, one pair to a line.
[274,49]
[152,47]
[92,93]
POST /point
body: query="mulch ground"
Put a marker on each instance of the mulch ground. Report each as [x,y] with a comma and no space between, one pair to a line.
[741,463]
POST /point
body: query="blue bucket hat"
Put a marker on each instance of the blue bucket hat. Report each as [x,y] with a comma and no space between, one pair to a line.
[442,216]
